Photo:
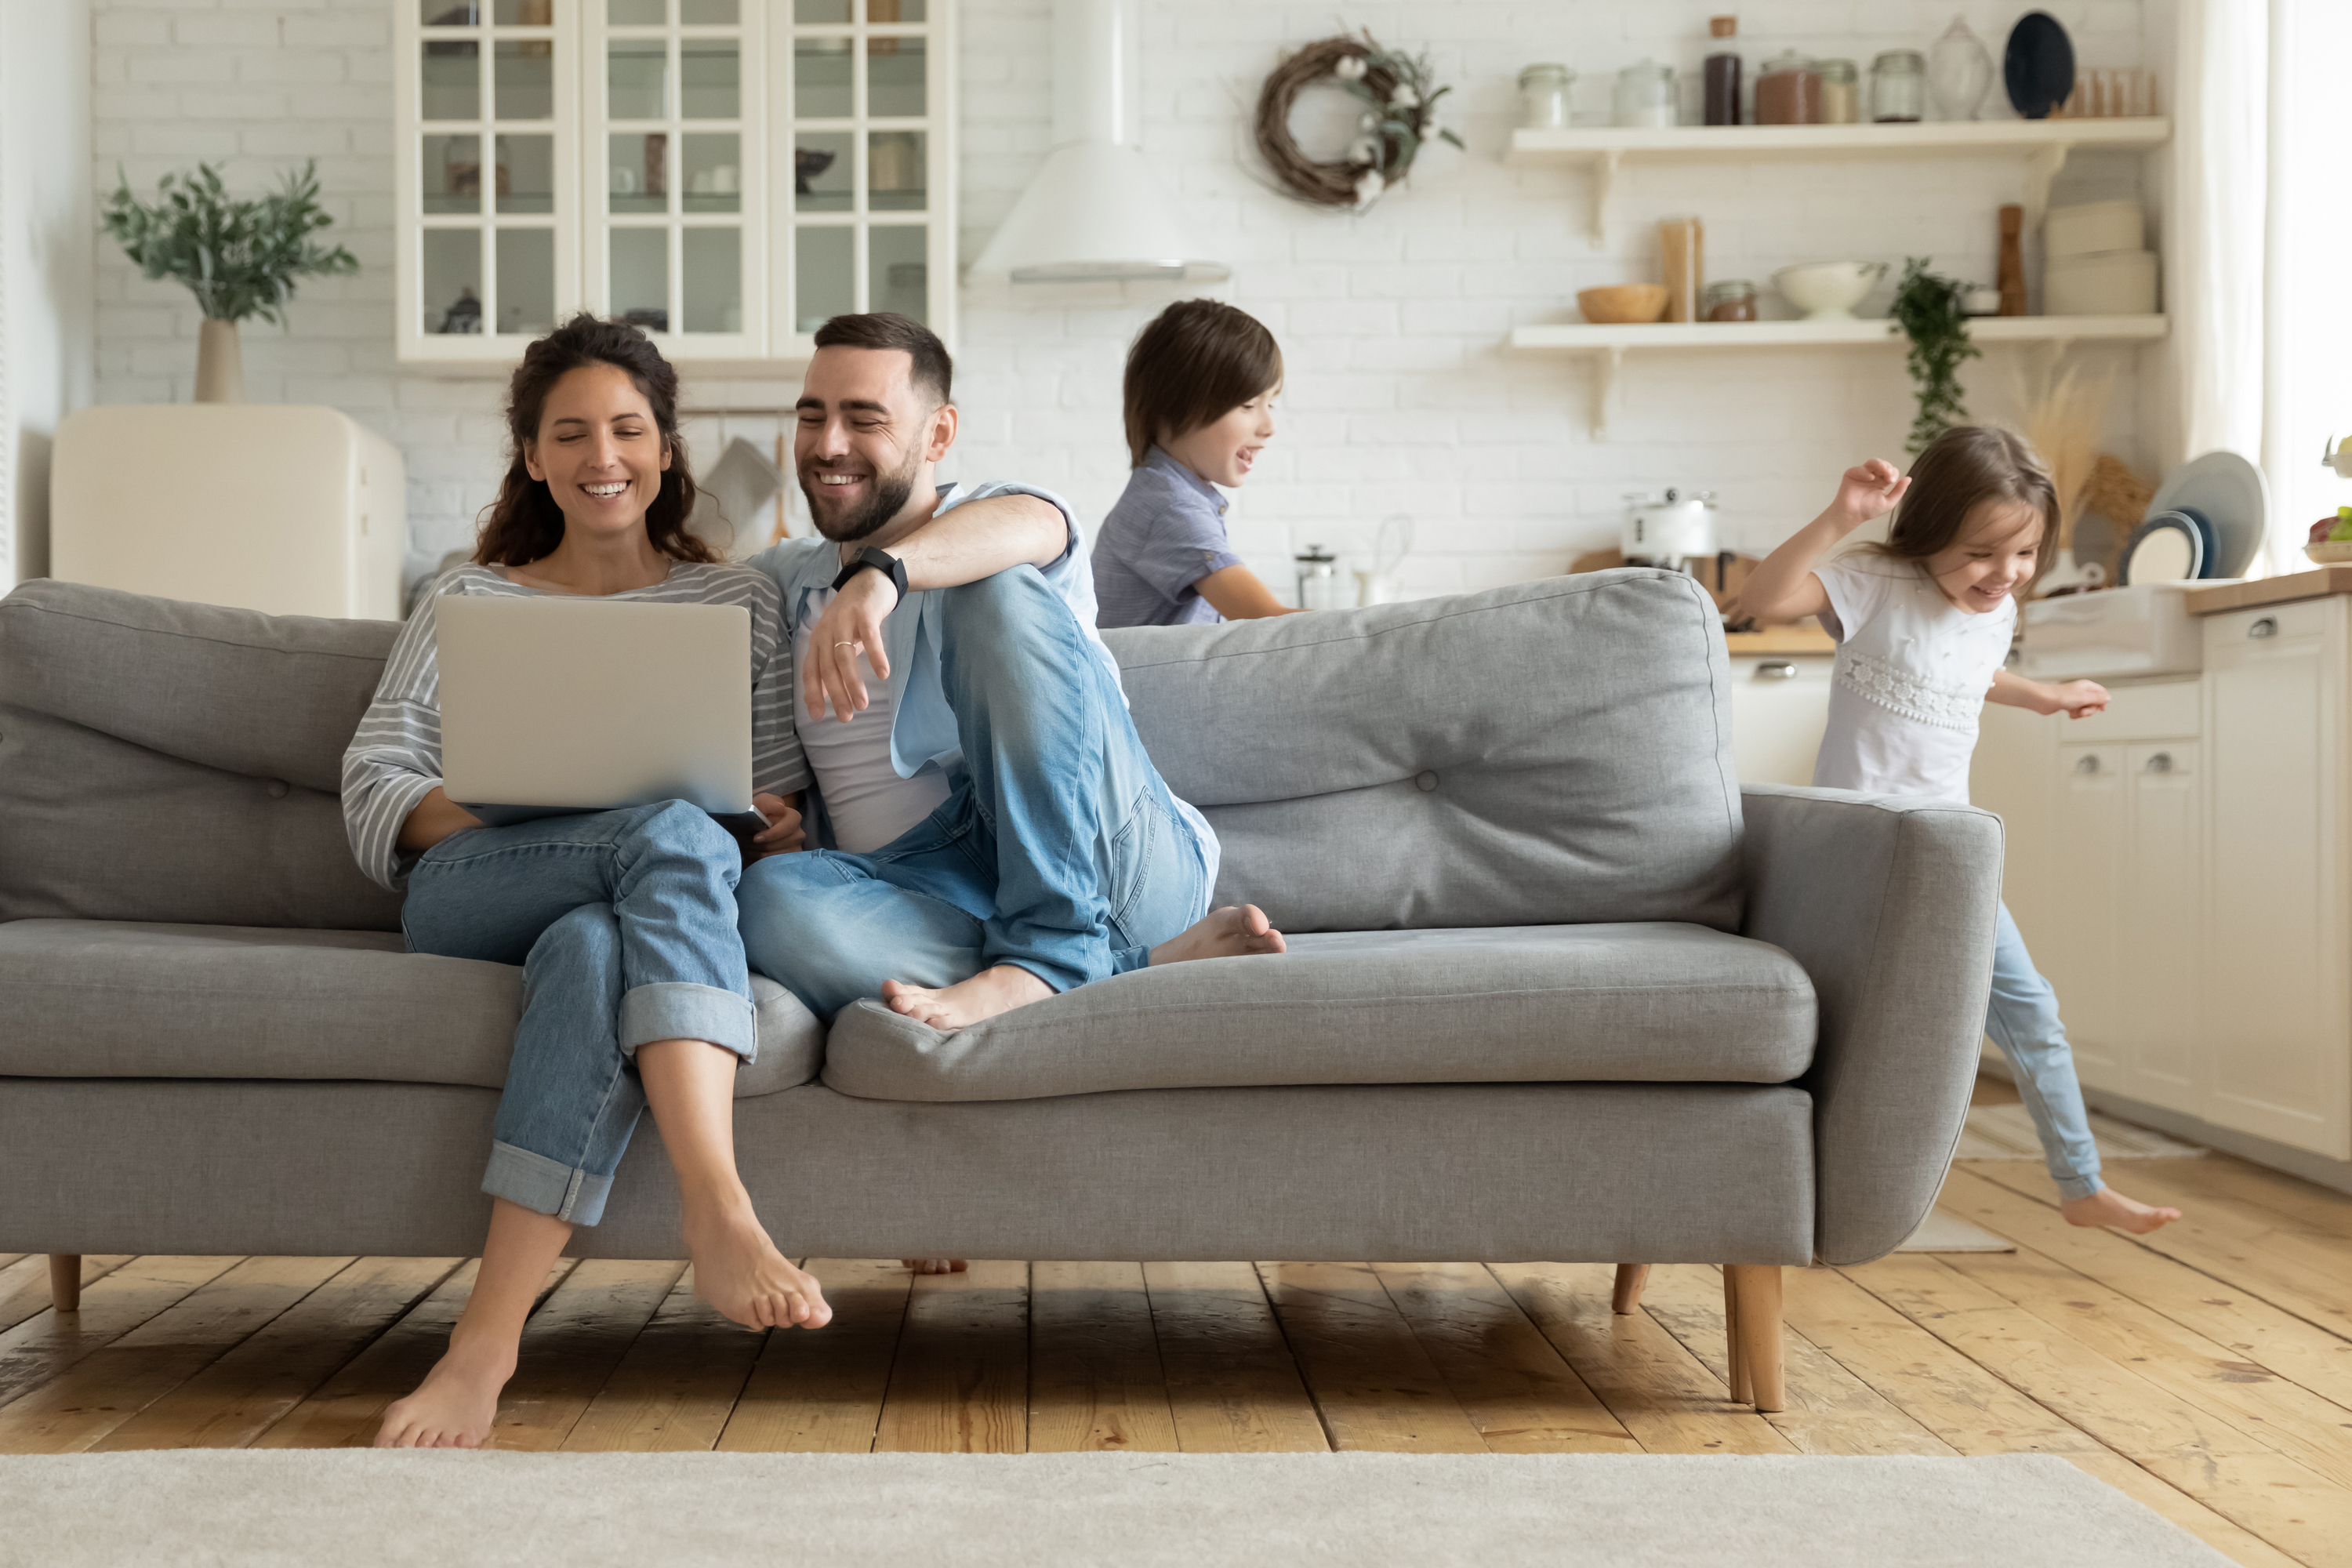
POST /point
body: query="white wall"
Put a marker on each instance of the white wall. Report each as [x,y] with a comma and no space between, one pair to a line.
[47,326]
[1399,397]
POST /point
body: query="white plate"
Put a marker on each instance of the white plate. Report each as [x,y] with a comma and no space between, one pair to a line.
[2165,550]
[2231,493]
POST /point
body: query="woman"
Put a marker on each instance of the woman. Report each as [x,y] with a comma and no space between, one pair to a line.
[635,983]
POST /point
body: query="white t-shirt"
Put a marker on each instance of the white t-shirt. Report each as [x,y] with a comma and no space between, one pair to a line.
[1912,672]
[868,803]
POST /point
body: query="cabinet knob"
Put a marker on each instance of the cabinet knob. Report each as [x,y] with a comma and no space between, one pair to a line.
[2265,627]
[2161,763]
[2088,764]
[1782,672]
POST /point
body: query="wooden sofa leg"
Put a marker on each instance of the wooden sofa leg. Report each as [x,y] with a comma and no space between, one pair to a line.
[65,1282]
[1736,1368]
[1757,1288]
[1627,1296]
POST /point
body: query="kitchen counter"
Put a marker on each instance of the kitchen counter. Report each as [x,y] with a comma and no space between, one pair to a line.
[2317,584]
[1781,639]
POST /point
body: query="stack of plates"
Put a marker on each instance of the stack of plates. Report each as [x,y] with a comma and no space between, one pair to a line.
[2206,521]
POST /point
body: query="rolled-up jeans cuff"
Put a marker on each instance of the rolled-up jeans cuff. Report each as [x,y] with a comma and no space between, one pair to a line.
[2073,1187]
[544,1185]
[680,1010]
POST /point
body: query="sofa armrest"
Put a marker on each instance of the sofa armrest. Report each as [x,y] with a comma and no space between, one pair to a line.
[1889,905]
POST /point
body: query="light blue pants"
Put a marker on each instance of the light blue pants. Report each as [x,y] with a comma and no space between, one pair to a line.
[1060,849]
[623,922]
[2023,1022]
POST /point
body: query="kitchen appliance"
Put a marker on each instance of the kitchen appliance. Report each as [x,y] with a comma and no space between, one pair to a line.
[1672,533]
[291,510]
[2230,495]
[2143,629]
[1318,581]
[1829,291]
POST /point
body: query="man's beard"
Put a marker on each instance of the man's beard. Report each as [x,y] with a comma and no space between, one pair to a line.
[890,494]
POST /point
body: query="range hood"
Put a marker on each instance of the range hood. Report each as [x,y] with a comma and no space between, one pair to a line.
[1096,210]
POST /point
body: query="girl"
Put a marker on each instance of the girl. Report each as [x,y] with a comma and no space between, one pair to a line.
[1200,385]
[1922,623]
[635,990]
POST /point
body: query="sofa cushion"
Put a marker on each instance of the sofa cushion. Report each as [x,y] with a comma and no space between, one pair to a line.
[1650,1004]
[1547,752]
[116,999]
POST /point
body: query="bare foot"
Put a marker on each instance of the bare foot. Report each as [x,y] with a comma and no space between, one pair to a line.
[738,1270]
[1235,931]
[453,1406]
[936,1265]
[2110,1208]
[967,1002]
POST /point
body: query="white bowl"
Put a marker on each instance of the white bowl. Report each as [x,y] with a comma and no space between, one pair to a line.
[1829,291]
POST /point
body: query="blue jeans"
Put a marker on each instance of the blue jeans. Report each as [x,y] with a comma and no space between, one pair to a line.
[2023,1022]
[1059,850]
[623,922]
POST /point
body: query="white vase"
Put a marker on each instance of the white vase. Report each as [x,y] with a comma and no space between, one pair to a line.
[1959,72]
[220,366]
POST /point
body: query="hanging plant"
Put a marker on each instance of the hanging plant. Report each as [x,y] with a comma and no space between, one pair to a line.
[1400,94]
[1928,309]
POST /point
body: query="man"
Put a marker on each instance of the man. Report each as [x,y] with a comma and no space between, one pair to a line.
[990,830]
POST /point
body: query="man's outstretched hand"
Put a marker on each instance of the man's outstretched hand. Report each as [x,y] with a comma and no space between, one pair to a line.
[850,626]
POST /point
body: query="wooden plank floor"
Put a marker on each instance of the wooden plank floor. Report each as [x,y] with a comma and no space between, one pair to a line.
[2206,1371]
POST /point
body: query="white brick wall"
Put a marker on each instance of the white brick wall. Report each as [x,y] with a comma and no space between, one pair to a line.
[1400,395]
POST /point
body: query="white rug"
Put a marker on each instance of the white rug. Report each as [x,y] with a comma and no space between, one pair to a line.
[295,1510]
[2006,1133]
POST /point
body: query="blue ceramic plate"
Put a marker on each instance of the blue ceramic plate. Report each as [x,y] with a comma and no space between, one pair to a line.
[2038,67]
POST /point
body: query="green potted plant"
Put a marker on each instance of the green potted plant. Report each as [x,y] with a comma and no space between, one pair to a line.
[239,258]
[1928,309]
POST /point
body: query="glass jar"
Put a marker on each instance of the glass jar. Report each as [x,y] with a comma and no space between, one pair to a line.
[1719,96]
[1318,581]
[1644,96]
[1543,97]
[1733,300]
[1788,91]
[1840,93]
[1898,87]
[1959,72]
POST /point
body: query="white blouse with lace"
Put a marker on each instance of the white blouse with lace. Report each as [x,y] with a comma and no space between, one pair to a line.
[1912,672]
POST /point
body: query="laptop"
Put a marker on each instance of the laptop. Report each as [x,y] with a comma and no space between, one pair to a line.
[552,706]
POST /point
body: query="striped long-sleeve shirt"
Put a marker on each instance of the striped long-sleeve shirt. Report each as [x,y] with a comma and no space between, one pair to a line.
[394,759]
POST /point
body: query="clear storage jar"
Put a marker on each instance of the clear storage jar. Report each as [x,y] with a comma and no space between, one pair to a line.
[1788,91]
[1732,300]
[1543,97]
[1840,93]
[1644,96]
[1898,87]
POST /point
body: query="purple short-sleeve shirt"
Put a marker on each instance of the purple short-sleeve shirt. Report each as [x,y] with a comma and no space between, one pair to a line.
[1164,534]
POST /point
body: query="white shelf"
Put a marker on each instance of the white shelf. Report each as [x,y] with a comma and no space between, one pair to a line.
[1608,346]
[2044,144]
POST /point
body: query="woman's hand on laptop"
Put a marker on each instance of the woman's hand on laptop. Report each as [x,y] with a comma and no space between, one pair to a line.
[784,834]
[851,625]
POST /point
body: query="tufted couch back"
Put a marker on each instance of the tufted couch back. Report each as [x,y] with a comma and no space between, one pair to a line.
[1550,753]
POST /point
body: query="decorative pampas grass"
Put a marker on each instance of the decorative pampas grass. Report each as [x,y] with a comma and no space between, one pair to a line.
[2062,409]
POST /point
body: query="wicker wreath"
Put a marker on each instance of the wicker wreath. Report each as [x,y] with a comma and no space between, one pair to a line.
[1400,103]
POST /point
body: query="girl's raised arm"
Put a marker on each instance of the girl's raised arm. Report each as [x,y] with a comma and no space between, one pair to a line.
[1784,588]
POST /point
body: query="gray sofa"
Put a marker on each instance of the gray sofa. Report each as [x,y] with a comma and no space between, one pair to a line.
[1559,988]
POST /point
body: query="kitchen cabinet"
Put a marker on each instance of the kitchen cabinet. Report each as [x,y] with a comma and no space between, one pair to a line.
[724,174]
[2178,868]
[1779,706]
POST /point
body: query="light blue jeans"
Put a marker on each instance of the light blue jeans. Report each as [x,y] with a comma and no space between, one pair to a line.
[623,922]
[1060,849]
[2023,1022]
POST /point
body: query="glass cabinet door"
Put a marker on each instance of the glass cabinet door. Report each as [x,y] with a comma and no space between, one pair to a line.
[677,99]
[488,182]
[872,219]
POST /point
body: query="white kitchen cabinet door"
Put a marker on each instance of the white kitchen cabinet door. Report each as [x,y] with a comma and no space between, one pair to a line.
[2275,1027]
[1778,710]
[2158,927]
[2076,947]
[2013,774]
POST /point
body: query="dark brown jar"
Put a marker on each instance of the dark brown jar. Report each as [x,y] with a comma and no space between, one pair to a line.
[1732,300]
[1720,96]
[1788,91]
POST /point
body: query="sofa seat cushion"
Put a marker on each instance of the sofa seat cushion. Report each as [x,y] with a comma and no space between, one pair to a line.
[1638,1002]
[123,999]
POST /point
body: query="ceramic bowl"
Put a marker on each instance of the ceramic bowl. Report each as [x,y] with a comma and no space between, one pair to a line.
[2330,552]
[1620,303]
[1829,291]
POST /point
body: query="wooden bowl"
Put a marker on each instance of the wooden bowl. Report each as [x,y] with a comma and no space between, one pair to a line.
[1620,303]
[2330,552]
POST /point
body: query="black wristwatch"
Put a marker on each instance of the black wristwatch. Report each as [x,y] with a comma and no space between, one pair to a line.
[889,566]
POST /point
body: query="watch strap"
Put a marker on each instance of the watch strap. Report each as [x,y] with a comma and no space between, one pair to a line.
[881,561]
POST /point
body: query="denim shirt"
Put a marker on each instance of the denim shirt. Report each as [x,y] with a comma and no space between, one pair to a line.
[923,727]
